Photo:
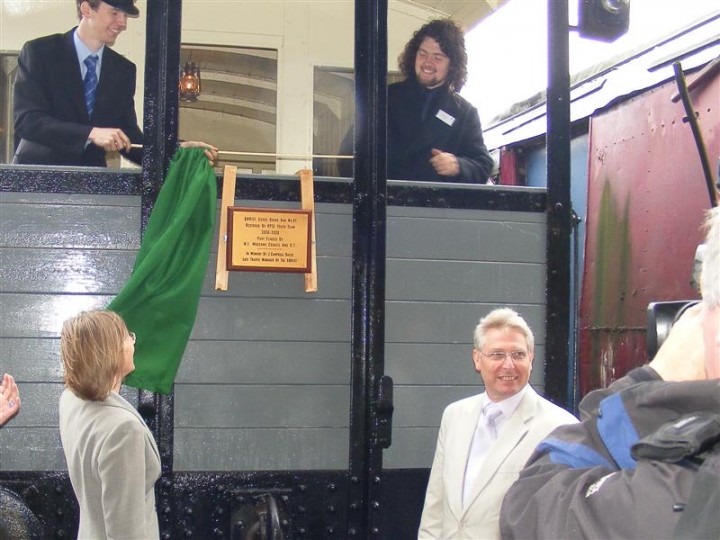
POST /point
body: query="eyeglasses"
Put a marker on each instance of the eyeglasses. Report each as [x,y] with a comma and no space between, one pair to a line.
[499,356]
[132,336]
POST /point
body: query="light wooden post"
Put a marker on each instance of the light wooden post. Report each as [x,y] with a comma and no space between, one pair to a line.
[228,200]
[307,201]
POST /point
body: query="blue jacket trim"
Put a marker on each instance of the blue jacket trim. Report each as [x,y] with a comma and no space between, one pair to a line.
[573,455]
[617,430]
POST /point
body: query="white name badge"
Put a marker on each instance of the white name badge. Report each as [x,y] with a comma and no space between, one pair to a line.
[445,117]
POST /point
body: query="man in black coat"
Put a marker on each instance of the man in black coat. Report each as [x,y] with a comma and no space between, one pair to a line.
[52,123]
[433,133]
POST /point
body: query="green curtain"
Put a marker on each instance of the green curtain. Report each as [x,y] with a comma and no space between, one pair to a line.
[160,300]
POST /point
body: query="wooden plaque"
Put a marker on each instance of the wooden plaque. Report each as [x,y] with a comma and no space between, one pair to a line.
[269,240]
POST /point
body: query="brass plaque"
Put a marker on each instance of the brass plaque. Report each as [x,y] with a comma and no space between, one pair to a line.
[269,240]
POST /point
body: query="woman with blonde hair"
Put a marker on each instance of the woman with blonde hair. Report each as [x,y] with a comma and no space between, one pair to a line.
[111,455]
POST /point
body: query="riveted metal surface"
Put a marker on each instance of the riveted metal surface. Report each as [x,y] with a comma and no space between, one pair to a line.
[49,496]
[646,196]
[310,504]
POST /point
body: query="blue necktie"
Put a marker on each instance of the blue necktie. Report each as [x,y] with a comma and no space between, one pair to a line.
[90,82]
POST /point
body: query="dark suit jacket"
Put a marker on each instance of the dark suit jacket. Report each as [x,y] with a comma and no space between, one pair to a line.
[51,119]
[410,139]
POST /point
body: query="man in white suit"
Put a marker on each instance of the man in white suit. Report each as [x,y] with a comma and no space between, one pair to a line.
[485,440]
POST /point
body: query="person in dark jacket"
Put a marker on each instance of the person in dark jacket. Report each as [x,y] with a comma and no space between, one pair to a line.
[433,133]
[645,461]
[58,119]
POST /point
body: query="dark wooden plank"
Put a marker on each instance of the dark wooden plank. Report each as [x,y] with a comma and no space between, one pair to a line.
[261,449]
[261,406]
[92,271]
[265,362]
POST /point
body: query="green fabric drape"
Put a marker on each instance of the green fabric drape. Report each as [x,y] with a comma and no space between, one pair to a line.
[160,300]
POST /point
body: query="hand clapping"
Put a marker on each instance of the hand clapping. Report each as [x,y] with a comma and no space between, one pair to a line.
[9,399]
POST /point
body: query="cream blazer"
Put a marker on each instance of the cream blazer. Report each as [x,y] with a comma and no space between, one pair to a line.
[113,464]
[443,514]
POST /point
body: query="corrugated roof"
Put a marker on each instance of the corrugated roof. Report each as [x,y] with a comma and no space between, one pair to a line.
[603,84]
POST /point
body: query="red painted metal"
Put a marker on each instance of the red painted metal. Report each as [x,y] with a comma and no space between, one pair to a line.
[646,196]
[509,164]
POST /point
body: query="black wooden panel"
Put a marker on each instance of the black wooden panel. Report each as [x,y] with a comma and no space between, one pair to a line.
[440,322]
[422,406]
[39,404]
[411,447]
[260,449]
[68,199]
[42,315]
[30,449]
[402,513]
[72,226]
[265,362]
[268,319]
[465,281]
[451,239]
[456,212]
[92,271]
[261,406]
[429,363]
[31,359]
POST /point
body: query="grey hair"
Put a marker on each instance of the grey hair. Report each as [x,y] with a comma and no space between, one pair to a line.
[502,318]
[710,276]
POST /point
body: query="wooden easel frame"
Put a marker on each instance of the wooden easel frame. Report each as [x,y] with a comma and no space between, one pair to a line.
[307,202]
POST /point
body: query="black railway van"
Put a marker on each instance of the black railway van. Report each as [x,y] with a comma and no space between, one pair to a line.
[293,414]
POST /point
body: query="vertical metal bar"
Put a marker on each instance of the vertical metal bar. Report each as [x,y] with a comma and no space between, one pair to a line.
[162,65]
[161,105]
[697,133]
[559,209]
[368,261]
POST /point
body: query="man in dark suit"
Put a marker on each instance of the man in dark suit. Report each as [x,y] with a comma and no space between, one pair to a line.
[53,123]
[433,133]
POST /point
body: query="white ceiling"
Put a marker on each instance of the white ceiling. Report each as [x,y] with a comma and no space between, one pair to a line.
[467,12]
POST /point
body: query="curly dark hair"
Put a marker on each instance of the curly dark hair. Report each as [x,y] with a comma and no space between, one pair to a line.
[449,36]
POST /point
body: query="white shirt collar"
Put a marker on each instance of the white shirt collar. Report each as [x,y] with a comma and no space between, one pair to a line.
[508,405]
[83,52]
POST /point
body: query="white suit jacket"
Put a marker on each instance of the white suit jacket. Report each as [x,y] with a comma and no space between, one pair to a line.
[113,464]
[443,514]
